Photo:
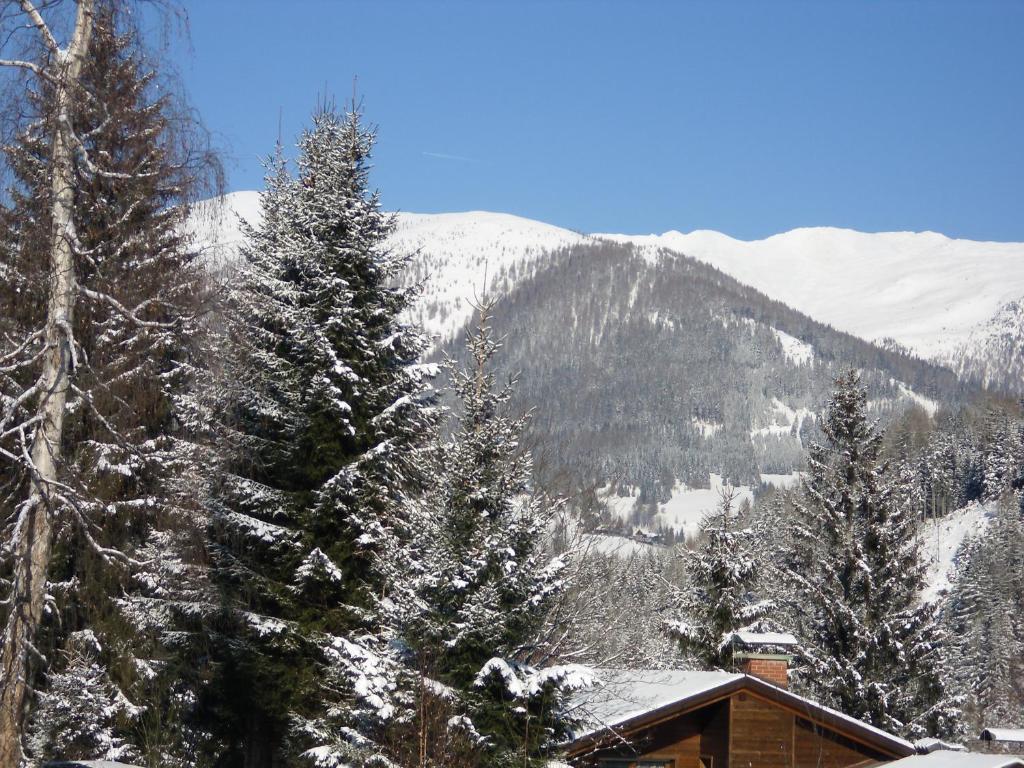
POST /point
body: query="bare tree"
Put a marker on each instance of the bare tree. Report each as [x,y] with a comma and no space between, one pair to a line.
[39,437]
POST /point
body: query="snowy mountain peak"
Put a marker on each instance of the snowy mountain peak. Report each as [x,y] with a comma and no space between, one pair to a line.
[925,290]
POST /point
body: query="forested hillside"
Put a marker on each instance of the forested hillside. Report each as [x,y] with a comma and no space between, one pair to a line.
[651,369]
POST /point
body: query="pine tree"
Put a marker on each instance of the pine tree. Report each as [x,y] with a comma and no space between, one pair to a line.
[134,350]
[871,649]
[982,616]
[322,406]
[481,584]
[720,598]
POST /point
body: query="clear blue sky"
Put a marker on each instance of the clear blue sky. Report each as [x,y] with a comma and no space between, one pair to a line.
[749,118]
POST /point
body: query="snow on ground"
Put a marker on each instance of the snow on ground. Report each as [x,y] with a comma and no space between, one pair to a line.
[706,429]
[929,405]
[456,251]
[622,546]
[940,541]
[688,506]
[782,419]
[784,482]
[796,351]
[684,510]
[216,224]
[923,289]
[870,285]
[620,506]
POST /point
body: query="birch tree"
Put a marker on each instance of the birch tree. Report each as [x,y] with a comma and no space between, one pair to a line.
[35,416]
[98,282]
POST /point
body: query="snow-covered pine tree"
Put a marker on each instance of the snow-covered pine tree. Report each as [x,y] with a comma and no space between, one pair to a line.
[138,164]
[1002,453]
[871,647]
[982,616]
[322,408]
[720,597]
[482,582]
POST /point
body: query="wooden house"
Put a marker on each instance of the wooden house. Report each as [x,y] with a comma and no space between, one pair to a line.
[743,719]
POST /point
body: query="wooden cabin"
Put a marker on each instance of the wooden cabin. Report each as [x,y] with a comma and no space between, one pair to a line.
[670,719]
[744,719]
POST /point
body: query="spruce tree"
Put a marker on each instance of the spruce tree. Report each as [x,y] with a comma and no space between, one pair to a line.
[982,614]
[720,597]
[871,648]
[481,583]
[322,405]
[122,516]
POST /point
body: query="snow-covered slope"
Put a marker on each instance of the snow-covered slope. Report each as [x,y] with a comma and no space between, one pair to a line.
[924,290]
[458,256]
[993,353]
[941,540]
[216,224]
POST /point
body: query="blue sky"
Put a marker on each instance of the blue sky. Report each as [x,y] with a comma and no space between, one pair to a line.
[749,118]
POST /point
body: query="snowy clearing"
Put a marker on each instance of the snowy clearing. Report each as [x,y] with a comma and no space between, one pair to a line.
[685,509]
[941,540]
[796,351]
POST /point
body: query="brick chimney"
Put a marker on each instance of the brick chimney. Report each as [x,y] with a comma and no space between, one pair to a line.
[765,655]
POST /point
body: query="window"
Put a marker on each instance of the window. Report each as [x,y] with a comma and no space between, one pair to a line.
[707,761]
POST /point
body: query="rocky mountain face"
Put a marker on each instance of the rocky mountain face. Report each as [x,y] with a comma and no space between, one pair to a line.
[993,354]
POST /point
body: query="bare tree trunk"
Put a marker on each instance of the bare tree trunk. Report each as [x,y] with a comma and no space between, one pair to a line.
[33,530]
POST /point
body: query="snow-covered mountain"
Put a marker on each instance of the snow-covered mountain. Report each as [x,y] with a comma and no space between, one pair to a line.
[932,294]
[458,256]
[993,353]
[651,373]
[956,302]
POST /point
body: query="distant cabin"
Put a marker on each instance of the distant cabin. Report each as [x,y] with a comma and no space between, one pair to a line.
[745,719]
[1013,736]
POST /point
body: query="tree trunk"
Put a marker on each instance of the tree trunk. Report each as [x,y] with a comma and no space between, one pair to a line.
[33,531]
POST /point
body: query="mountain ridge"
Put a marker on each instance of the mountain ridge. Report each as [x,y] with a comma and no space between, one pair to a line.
[925,290]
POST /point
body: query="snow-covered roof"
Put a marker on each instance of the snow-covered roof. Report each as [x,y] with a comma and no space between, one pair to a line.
[625,699]
[764,638]
[623,694]
[87,764]
[1002,734]
[934,745]
[947,759]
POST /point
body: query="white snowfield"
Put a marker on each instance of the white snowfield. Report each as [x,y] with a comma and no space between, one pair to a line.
[684,510]
[923,289]
[940,541]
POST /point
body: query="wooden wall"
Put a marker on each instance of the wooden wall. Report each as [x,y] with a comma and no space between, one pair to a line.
[816,747]
[761,734]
